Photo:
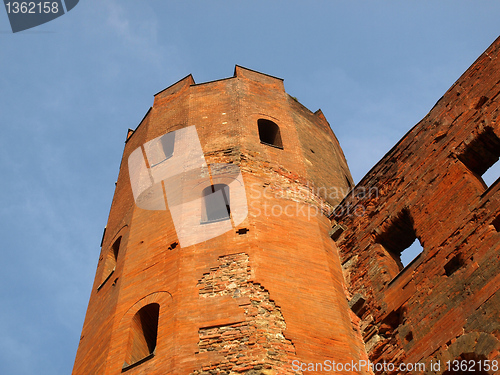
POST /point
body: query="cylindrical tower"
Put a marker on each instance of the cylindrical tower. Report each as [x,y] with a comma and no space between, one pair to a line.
[216,258]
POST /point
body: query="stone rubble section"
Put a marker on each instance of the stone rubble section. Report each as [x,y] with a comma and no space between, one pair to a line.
[256,346]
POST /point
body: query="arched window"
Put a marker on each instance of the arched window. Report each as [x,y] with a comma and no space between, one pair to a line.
[161,149]
[143,334]
[110,261]
[269,133]
[216,205]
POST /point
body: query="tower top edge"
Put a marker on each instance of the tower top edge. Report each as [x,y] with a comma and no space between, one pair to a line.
[186,81]
[239,72]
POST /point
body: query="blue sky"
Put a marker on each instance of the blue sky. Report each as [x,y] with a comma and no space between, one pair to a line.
[71,88]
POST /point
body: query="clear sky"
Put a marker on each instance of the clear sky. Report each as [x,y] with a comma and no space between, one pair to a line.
[71,88]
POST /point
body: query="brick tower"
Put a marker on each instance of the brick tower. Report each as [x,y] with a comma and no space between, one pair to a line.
[217,256]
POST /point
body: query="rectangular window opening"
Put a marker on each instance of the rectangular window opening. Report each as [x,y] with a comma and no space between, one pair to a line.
[391,322]
[400,240]
[453,265]
[496,223]
[481,157]
[216,204]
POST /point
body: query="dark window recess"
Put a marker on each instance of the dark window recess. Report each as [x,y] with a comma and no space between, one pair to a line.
[167,143]
[480,156]
[110,261]
[496,223]
[336,231]
[400,240]
[269,133]
[453,265]
[216,203]
[408,337]
[482,101]
[143,335]
[357,305]
[391,322]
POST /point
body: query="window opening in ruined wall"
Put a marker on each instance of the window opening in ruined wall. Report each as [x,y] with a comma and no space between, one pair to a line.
[454,264]
[481,157]
[496,223]
[110,261]
[216,205]
[400,240]
[269,133]
[143,335]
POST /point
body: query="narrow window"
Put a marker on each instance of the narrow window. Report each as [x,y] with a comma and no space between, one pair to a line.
[269,133]
[160,149]
[496,223]
[400,240]
[143,335]
[110,261]
[481,157]
[453,265]
[216,203]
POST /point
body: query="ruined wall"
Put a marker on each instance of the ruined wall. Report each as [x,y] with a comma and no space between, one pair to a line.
[257,343]
[443,305]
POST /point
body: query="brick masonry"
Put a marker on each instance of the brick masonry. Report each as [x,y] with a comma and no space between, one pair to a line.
[294,305]
[254,346]
[311,274]
[444,305]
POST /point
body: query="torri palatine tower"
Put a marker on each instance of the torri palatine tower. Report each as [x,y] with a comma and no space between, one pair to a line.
[217,254]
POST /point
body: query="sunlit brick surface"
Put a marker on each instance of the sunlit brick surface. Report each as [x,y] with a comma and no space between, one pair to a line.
[444,305]
[289,303]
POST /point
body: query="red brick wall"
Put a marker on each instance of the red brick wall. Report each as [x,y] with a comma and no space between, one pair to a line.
[445,303]
[291,278]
